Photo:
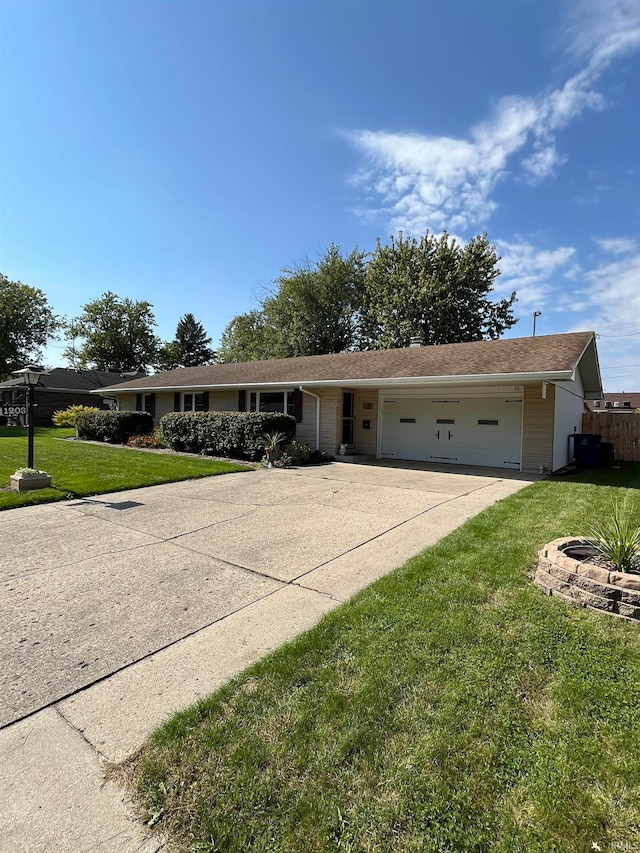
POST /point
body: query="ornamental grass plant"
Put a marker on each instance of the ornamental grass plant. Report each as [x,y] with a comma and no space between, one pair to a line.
[616,537]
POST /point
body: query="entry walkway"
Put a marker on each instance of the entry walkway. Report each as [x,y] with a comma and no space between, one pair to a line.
[121,609]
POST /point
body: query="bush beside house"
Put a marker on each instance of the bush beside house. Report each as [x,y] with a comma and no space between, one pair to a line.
[235,435]
[113,427]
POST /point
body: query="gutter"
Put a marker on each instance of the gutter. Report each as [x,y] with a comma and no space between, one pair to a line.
[311,394]
[381,382]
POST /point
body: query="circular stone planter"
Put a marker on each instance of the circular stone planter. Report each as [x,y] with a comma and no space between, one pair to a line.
[562,573]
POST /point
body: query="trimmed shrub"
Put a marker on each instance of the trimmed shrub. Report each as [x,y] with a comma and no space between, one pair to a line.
[113,427]
[67,417]
[299,454]
[234,435]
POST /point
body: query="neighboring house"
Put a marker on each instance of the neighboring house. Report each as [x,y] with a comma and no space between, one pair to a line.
[62,387]
[507,403]
[624,401]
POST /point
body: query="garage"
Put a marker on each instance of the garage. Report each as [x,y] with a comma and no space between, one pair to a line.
[453,429]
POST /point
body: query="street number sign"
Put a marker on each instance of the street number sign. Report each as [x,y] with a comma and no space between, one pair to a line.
[13,411]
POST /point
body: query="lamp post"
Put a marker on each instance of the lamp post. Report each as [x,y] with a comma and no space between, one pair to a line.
[535,315]
[31,376]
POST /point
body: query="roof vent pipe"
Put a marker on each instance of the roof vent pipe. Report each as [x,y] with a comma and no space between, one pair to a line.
[415,342]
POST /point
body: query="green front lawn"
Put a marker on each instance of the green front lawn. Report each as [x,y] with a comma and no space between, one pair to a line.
[451,707]
[78,468]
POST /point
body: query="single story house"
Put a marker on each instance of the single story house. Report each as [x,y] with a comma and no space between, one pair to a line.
[62,387]
[618,402]
[510,403]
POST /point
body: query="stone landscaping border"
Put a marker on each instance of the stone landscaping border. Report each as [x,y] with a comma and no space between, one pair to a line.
[585,585]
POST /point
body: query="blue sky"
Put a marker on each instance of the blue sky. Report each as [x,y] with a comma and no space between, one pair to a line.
[185,152]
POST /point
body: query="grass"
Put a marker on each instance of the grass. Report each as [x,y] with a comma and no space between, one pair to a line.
[448,707]
[79,468]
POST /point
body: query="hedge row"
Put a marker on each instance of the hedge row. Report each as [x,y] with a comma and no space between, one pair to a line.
[236,435]
[113,427]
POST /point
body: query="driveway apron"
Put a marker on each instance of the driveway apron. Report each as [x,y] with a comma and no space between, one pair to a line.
[119,609]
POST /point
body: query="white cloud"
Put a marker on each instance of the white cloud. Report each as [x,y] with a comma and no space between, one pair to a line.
[532,272]
[613,294]
[542,162]
[440,182]
[611,306]
[616,245]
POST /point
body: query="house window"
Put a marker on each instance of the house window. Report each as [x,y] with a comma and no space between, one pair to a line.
[193,402]
[149,404]
[597,404]
[626,404]
[272,401]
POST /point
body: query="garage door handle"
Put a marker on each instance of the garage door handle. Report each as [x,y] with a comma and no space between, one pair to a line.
[449,435]
[437,434]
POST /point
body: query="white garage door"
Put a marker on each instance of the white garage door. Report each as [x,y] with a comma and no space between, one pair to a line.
[483,431]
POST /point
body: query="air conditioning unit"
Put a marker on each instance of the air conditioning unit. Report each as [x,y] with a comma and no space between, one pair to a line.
[616,404]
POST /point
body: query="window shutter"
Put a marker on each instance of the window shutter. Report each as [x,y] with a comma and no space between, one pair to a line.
[138,402]
[297,405]
[176,401]
[242,401]
[205,401]
[153,406]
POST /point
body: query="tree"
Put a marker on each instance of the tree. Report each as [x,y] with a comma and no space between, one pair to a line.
[433,289]
[117,334]
[244,339]
[189,348]
[27,322]
[313,309]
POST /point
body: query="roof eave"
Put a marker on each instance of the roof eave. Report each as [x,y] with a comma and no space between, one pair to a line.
[386,382]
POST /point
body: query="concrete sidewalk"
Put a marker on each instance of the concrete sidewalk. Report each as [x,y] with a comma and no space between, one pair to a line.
[131,606]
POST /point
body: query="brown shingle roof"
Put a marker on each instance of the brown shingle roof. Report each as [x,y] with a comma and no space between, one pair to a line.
[542,354]
[68,379]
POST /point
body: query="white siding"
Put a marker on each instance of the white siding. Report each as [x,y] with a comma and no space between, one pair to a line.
[306,429]
[569,405]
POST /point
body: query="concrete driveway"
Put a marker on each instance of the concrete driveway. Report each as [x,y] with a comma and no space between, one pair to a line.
[120,609]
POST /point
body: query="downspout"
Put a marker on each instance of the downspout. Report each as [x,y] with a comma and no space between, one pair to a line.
[317,396]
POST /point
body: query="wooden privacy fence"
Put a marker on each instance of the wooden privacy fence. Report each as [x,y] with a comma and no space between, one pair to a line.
[621,429]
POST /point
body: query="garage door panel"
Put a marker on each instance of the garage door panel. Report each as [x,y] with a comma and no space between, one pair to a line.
[485,431]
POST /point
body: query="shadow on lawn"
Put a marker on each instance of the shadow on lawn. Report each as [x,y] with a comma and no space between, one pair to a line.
[625,476]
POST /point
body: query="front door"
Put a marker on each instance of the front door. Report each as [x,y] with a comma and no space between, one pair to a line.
[348,417]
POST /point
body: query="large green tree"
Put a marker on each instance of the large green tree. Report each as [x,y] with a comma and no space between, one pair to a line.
[433,289]
[27,322]
[313,308]
[116,334]
[189,348]
[245,339]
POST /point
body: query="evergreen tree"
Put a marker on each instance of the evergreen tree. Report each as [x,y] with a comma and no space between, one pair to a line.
[189,348]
